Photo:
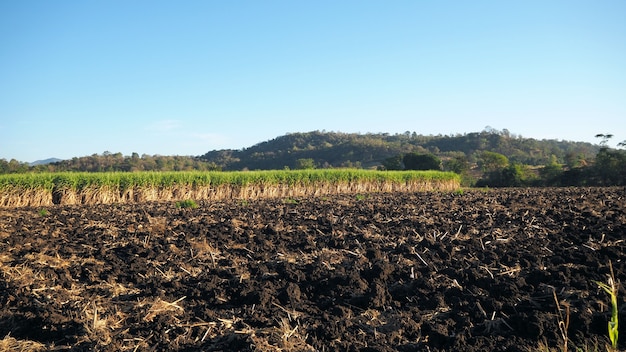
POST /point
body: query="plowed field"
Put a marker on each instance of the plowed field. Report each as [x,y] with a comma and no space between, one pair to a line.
[471,271]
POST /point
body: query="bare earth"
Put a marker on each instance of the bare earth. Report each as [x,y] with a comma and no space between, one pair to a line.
[476,271]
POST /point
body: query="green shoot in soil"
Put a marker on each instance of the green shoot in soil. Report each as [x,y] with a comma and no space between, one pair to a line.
[189,203]
[611,289]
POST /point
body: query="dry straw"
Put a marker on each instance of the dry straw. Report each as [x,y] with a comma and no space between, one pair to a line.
[9,343]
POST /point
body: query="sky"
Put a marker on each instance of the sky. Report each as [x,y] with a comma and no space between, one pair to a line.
[185,77]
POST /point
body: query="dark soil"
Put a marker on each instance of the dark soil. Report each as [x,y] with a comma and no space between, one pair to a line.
[472,271]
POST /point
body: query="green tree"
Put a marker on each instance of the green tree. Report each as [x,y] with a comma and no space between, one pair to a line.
[512,176]
[493,165]
[492,162]
[610,167]
[12,166]
[305,164]
[415,161]
[458,164]
[574,160]
[393,163]
[551,172]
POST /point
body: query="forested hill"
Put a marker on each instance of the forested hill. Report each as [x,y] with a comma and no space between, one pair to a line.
[333,149]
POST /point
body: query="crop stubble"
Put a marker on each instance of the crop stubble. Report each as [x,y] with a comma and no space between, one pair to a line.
[424,271]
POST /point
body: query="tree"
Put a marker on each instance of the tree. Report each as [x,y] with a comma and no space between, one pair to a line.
[4,166]
[574,160]
[493,166]
[492,162]
[605,139]
[305,164]
[13,166]
[393,163]
[458,164]
[512,176]
[610,167]
[414,161]
[551,172]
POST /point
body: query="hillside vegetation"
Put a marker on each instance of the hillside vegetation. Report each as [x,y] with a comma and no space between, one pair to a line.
[334,149]
[487,158]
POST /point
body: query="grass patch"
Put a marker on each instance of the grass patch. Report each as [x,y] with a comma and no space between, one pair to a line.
[187,204]
[290,201]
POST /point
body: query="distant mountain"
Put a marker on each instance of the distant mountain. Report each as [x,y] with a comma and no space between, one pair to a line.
[334,149]
[45,161]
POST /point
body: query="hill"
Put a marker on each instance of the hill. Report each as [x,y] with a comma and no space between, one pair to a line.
[334,149]
[45,161]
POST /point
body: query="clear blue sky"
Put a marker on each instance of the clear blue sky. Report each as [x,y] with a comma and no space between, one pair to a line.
[186,77]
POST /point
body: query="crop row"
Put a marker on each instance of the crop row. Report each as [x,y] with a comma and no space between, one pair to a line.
[86,188]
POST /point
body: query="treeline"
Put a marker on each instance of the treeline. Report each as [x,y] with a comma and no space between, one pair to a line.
[332,149]
[496,170]
[108,162]
[493,169]
[608,169]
